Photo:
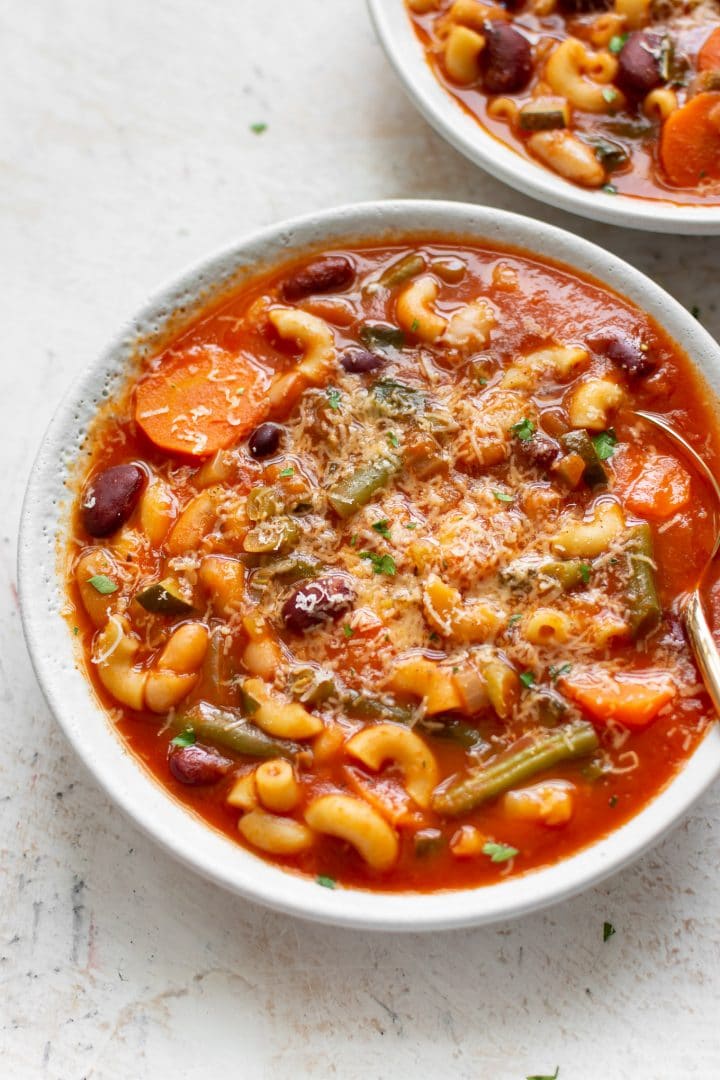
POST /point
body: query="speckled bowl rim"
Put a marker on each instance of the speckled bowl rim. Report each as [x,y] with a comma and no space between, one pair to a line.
[73,702]
[455,124]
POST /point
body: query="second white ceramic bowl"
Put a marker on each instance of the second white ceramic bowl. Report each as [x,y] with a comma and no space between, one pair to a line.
[52,648]
[467,135]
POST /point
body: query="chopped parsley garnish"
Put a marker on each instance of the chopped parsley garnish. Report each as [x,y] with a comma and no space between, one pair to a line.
[287,472]
[560,671]
[185,738]
[608,930]
[76,630]
[333,396]
[605,444]
[695,311]
[524,430]
[609,94]
[610,189]
[585,573]
[381,564]
[325,881]
[546,1076]
[382,527]
[258,129]
[348,630]
[103,584]
[616,43]
[392,439]
[415,326]
[499,853]
[514,619]
[502,496]
[411,524]
[527,679]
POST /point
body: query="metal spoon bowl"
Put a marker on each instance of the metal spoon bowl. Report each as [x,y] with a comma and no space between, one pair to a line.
[698,629]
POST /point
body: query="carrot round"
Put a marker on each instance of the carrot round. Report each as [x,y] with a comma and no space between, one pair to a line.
[633,704]
[200,401]
[690,141]
[709,56]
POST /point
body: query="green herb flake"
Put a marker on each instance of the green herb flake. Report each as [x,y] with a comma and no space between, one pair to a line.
[695,311]
[258,129]
[527,679]
[381,564]
[411,524]
[610,189]
[103,584]
[348,630]
[524,430]
[76,630]
[393,439]
[613,801]
[514,619]
[499,853]
[585,573]
[608,930]
[609,94]
[502,496]
[546,1076]
[326,882]
[617,42]
[605,444]
[333,396]
[415,326]
[559,672]
[185,738]
[287,472]
[382,527]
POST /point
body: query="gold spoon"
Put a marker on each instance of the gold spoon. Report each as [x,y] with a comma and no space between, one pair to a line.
[698,629]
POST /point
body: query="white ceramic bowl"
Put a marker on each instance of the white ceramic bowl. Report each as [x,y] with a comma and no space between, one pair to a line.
[467,135]
[71,698]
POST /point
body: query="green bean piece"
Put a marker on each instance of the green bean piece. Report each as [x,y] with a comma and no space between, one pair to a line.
[227,727]
[428,842]
[579,442]
[311,686]
[350,494]
[293,568]
[455,731]
[568,573]
[528,756]
[402,270]
[643,603]
[163,598]
[376,708]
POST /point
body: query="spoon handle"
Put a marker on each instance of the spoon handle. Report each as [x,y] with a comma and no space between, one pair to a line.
[704,647]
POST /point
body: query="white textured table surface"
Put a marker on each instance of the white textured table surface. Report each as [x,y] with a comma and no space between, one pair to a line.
[125,153]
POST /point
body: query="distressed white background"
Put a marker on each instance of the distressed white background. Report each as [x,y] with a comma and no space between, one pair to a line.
[125,153]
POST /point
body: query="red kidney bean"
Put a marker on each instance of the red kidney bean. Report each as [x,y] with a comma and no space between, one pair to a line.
[578,7]
[264,440]
[329,274]
[358,361]
[318,601]
[111,497]
[640,63]
[506,59]
[540,450]
[198,764]
[625,353]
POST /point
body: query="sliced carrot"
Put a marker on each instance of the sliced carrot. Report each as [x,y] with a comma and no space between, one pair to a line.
[690,141]
[201,401]
[635,704]
[708,58]
[661,489]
